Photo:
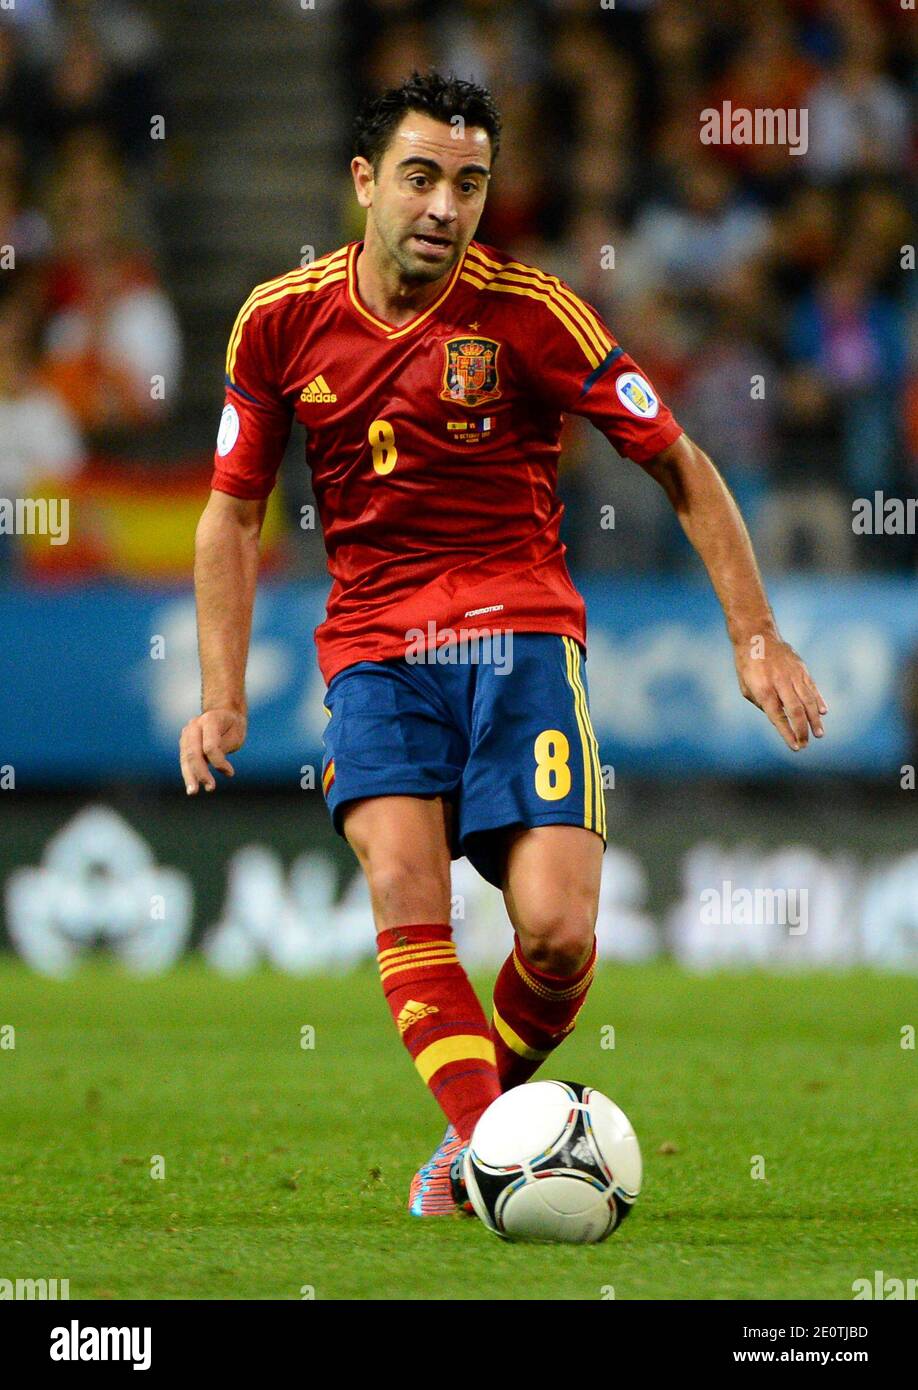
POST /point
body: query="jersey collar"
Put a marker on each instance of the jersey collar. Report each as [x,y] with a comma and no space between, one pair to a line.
[387,328]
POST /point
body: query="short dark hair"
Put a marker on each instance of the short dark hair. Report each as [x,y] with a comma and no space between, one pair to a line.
[433,94]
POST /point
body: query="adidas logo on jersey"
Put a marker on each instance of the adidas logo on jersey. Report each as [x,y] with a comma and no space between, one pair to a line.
[318,392]
[413,1012]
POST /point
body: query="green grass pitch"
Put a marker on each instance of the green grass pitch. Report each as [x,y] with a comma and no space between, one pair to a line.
[287,1167]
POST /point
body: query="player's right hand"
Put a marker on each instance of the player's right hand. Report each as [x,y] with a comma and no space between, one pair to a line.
[207,740]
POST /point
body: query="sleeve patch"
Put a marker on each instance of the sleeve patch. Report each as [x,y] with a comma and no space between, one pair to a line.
[228,432]
[637,395]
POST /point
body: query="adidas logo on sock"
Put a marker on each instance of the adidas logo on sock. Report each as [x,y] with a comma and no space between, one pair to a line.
[413,1012]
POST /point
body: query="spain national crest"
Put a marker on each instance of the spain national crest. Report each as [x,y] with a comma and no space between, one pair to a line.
[470,374]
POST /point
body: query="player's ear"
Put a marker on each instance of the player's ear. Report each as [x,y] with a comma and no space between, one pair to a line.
[364,180]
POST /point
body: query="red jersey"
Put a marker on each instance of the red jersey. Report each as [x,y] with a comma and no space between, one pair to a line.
[434,446]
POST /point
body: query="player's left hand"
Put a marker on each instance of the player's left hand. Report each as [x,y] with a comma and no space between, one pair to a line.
[204,744]
[773,677]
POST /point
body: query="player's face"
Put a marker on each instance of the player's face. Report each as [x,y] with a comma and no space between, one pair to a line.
[428,195]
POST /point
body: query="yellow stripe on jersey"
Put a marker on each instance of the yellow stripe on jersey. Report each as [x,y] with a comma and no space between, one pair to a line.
[332,261]
[559,313]
[306,280]
[465,1046]
[518,273]
[578,308]
[292,277]
[515,1042]
[322,272]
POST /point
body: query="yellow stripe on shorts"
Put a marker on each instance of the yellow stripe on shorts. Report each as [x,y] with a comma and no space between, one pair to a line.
[594,805]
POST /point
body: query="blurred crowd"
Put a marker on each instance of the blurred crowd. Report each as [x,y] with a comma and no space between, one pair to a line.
[763,292]
[768,295]
[90,346]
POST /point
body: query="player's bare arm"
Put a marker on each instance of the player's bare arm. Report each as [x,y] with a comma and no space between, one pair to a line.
[771,674]
[225,576]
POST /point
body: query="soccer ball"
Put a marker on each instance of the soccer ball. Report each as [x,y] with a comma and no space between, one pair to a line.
[553,1161]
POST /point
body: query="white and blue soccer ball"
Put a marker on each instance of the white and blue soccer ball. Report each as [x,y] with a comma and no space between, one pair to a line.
[553,1161]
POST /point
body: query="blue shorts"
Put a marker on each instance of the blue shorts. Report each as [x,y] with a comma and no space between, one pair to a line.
[509,743]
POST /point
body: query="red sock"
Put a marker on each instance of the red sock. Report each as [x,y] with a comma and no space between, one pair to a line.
[440,1019]
[533,1013]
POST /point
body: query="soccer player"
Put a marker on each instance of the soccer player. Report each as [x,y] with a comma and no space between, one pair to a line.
[431,373]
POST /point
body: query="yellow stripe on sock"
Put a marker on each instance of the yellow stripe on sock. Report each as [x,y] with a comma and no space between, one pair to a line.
[412,946]
[406,962]
[417,963]
[545,991]
[465,1046]
[515,1042]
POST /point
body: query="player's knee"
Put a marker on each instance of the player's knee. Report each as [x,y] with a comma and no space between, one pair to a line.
[559,943]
